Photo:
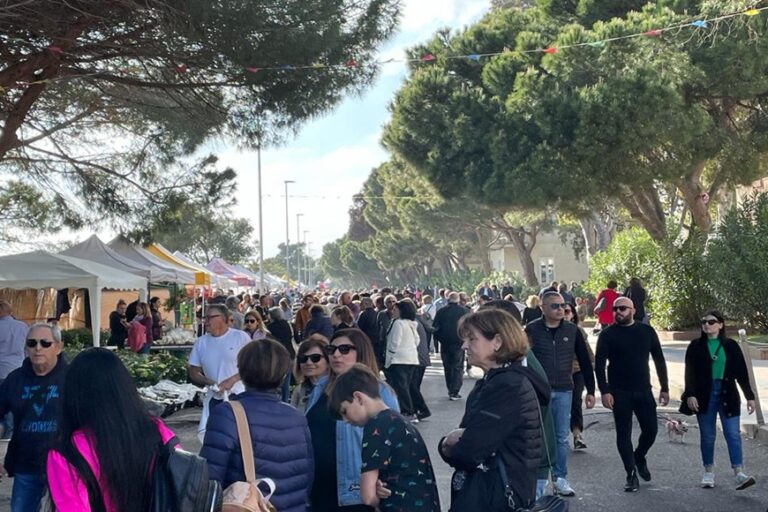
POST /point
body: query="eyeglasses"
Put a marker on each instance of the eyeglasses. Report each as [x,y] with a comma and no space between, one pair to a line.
[620,308]
[709,321]
[208,317]
[343,349]
[32,343]
[556,305]
[315,358]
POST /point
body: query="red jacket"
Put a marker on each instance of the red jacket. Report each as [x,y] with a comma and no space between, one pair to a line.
[605,316]
[137,335]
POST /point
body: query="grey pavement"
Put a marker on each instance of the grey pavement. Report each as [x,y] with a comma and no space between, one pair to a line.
[596,473]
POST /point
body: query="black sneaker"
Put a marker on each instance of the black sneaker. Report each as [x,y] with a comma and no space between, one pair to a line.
[642,470]
[579,444]
[454,397]
[423,415]
[633,484]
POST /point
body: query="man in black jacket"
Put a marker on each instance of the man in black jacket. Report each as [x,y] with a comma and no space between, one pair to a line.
[446,332]
[555,343]
[626,345]
[32,393]
[366,322]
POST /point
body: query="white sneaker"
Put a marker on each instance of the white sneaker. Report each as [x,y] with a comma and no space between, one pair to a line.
[743,481]
[563,488]
[708,480]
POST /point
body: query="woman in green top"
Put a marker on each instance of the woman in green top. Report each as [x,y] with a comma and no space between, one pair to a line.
[713,365]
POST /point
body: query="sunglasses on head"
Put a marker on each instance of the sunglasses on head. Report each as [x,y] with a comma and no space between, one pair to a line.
[620,308]
[315,358]
[32,343]
[556,305]
[709,321]
[343,349]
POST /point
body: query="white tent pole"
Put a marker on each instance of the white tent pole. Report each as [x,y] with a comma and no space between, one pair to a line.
[94,295]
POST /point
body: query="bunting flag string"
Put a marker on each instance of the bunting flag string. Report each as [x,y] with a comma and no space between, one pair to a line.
[183,68]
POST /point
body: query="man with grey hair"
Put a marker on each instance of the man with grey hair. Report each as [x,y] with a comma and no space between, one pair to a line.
[32,393]
[12,335]
[213,361]
[383,321]
[237,317]
[446,326]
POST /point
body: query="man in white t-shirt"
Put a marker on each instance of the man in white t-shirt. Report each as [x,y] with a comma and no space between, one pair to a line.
[214,357]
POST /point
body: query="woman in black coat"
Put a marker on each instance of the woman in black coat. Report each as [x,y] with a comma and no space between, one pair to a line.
[501,424]
[714,364]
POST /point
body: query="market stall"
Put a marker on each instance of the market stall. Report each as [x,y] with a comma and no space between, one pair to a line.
[41,270]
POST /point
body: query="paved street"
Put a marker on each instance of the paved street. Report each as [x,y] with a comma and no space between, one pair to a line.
[596,474]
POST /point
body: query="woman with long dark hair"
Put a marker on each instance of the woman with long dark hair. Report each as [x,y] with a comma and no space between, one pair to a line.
[402,357]
[102,458]
[714,364]
[337,445]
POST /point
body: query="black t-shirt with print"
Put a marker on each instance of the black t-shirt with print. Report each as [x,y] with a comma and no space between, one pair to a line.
[396,449]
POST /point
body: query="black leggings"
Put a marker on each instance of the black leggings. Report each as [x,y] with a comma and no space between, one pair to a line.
[577,418]
[419,404]
[643,405]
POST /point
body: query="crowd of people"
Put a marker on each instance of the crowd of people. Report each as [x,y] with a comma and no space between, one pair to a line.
[346,437]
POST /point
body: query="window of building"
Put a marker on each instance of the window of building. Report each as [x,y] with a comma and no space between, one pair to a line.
[546,270]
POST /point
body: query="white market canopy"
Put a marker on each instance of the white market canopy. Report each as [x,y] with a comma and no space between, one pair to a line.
[164,271]
[41,269]
[93,249]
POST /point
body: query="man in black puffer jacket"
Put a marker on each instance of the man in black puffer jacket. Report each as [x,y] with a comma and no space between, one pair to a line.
[555,343]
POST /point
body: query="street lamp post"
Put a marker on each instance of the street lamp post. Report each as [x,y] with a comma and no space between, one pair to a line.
[261,222]
[298,250]
[287,236]
[306,259]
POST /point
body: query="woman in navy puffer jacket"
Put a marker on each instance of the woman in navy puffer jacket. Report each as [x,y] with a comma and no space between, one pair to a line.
[282,445]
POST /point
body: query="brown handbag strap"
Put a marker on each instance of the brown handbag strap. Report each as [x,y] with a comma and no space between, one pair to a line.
[246,446]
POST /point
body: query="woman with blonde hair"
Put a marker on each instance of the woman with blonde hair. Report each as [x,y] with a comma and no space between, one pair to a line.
[253,324]
[532,309]
[500,435]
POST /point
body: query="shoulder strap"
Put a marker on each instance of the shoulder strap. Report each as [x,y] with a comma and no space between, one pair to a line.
[246,446]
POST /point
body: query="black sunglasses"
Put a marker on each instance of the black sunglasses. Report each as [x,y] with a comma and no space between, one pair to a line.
[343,349]
[315,358]
[556,305]
[250,320]
[32,343]
[620,308]
[709,321]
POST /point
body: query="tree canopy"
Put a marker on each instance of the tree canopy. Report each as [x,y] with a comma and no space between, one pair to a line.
[652,122]
[100,100]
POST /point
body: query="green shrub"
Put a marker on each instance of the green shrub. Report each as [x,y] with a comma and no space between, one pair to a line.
[146,370]
[737,263]
[673,276]
[82,337]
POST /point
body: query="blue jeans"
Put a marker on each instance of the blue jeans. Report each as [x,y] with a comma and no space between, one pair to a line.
[26,493]
[560,405]
[708,430]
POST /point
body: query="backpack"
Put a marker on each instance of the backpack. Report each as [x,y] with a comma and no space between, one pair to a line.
[180,482]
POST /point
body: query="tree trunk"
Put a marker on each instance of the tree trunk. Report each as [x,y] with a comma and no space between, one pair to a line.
[596,232]
[517,237]
[692,192]
[484,251]
[644,207]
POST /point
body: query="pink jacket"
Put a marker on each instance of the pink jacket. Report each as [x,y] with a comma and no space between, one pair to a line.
[67,490]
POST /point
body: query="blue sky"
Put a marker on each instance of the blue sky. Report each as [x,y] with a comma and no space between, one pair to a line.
[331,157]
